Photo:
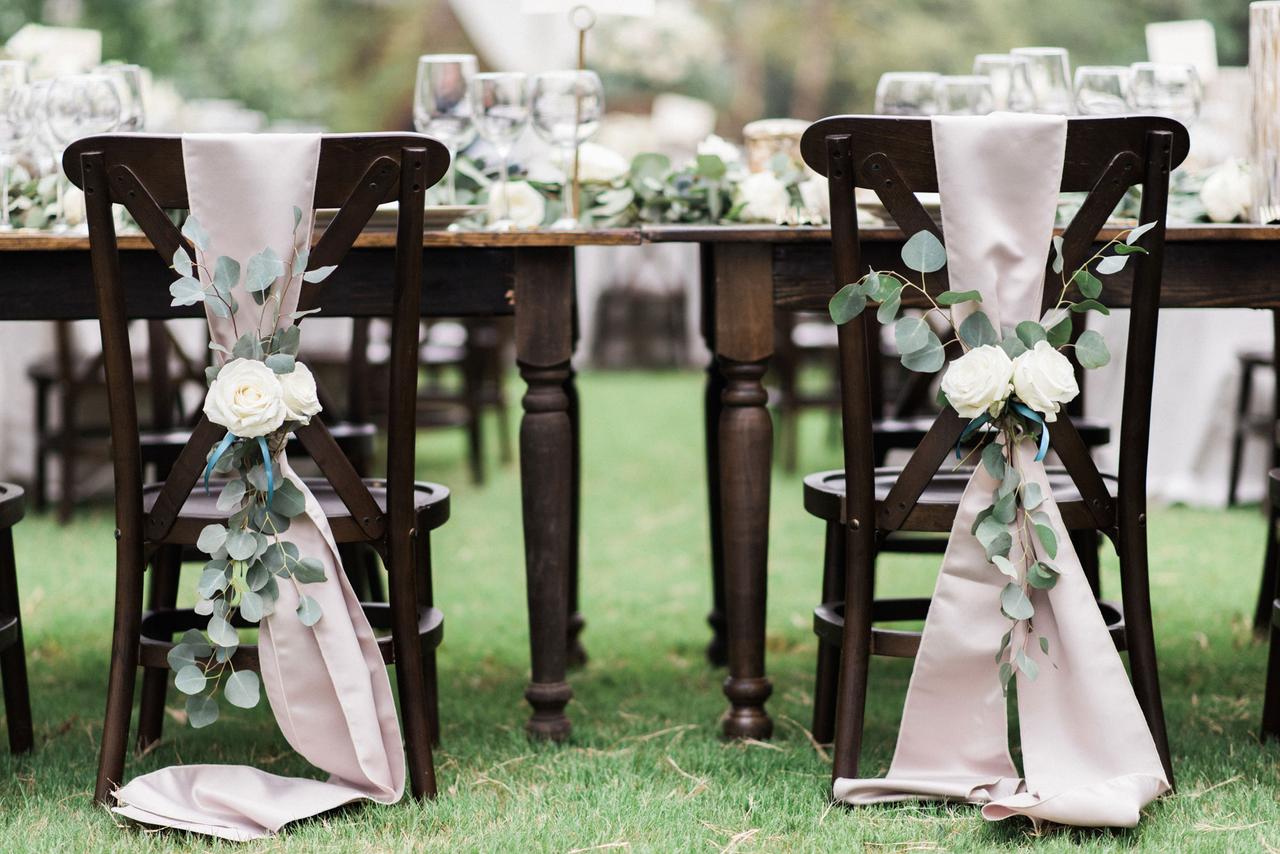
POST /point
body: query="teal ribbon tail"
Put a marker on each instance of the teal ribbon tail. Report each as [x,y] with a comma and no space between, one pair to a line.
[971,428]
[1027,412]
[266,464]
[217,455]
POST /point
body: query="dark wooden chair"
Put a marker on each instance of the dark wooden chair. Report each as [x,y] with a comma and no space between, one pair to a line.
[154,523]
[13,661]
[1247,424]
[894,157]
[1271,695]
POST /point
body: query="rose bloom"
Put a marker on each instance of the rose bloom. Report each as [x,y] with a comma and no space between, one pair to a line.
[766,198]
[526,207]
[300,397]
[1044,380]
[817,197]
[728,153]
[247,399]
[979,381]
[1228,191]
[596,164]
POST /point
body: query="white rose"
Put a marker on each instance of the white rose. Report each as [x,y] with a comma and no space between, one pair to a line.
[525,205]
[73,206]
[1227,192]
[722,148]
[978,381]
[765,196]
[300,398]
[816,197]
[1044,380]
[596,164]
[247,399]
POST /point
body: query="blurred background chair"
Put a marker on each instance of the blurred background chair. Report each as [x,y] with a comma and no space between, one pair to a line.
[13,661]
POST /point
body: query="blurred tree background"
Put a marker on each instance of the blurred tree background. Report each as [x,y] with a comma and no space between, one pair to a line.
[348,64]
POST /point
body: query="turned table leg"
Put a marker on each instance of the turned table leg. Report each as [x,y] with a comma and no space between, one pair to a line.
[544,295]
[744,342]
[718,647]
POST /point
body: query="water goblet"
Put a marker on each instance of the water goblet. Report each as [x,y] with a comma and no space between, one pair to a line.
[442,109]
[75,106]
[964,95]
[500,111]
[13,85]
[127,80]
[1010,82]
[567,107]
[1049,71]
[1102,90]
[1165,89]
[906,93]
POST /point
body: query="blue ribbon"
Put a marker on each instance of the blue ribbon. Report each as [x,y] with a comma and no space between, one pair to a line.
[1029,413]
[266,464]
[970,429]
[217,454]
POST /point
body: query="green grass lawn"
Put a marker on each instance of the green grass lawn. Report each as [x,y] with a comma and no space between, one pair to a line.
[645,768]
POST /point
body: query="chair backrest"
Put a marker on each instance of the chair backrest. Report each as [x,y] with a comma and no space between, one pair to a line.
[895,158]
[356,174]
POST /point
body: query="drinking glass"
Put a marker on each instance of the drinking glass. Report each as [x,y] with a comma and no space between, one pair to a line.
[1049,71]
[1102,90]
[441,107]
[906,93]
[76,106]
[500,111]
[567,107]
[13,86]
[127,80]
[1166,89]
[964,95]
[1010,83]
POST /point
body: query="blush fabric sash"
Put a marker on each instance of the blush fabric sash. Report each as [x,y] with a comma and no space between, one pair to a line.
[1088,755]
[327,685]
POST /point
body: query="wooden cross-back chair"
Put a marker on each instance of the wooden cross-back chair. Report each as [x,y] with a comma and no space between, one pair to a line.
[153,523]
[895,158]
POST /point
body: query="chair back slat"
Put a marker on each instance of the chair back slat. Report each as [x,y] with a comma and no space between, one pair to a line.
[355,175]
[895,158]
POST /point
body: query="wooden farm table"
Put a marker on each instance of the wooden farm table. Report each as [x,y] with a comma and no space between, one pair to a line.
[747,271]
[528,275]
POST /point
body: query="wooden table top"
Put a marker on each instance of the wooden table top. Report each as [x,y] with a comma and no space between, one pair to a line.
[380,238]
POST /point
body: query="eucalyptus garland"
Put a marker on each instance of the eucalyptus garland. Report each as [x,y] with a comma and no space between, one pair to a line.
[260,392]
[1011,384]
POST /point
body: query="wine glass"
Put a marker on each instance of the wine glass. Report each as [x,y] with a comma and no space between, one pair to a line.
[1166,89]
[906,93]
[567,107]
[500,111]
[13,83]
[1049,71]
[127,80]
[76,106]
[1102,90]
[441,107]
[963,95]
[1010,82]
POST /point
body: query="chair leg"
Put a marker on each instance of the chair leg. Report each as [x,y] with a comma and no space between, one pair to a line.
[1237,435]
[13,660]
[1140,638]
[828,673]
[1271,695]
[422,559]
[1086,544]
[40,486]
[855,651]
[125,636]
[410,667]
[1267,590]
[163,596]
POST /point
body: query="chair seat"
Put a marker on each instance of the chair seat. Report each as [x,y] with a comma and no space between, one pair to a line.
[828,624]
[824,497]
[12,504]
[430,502]
[898,434]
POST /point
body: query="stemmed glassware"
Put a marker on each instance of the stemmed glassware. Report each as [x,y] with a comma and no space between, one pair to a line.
[906,93]
[1102,90]
[13,85]
[76,106]
[1010,82]
[964,95]
[500,112]
[1049,71]
[567,107]
[1166,89]
[127,80]
[442,108]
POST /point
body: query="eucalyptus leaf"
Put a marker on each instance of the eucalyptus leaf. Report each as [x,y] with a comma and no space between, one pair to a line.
[248,346]
[1090,305]
[1006,673]
[977,331]
[226,274]
[180,655]
[309,570]
[212,538]
[1058,261]
[232,496]
[1111,264]
[1028,666]
[846,304]
[1124,249]
[911,334]
[1031,496]
[924,253]
[889,308]
[201,711]
[186,291]
[242,544]
[1006,566]
[999,545]
[1136,233]
[1059,333]
[297,217]
[190,679]
[257,576]
[1013,346]
[194,231]
[993,460]
[212,582]
[1006,508]
[203,606]
[251,606]
[1029,332]
[262,271]
[1042,576]
[288,500]
[242,689]
[711,167]
[1015,604]
[928,359]
[319,274]
[281,363]
[989,528]
[1091,350]
[298,315]
[216,305]
[308,611]
[222,633]
[1090,285]
[1044,644]
[1045,533]
[182,262]
[957,297]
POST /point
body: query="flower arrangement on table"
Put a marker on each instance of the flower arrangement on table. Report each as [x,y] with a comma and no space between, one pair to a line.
[260,392]
[1011,384]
